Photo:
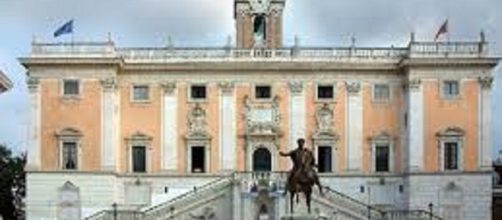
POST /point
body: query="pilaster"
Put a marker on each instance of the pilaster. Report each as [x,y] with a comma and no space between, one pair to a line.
[485,120]
[169,140]
[354,126]
[109,125]
[415,125]
[34,134]
[297,113]
[227,126]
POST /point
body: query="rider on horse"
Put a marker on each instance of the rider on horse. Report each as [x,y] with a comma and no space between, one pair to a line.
[303,163]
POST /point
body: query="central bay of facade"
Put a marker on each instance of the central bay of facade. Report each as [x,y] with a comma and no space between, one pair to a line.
[195,133]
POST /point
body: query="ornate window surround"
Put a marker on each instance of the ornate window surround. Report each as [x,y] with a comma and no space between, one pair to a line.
[323,100]
[265,144]
[448,135]
[66,135]
[139,139]
[382,139]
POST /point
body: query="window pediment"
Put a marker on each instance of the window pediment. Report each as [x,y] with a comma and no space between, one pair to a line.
[138,136]
[69,132]
[451,132]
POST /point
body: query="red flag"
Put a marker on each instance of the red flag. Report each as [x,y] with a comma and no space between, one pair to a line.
[442,30]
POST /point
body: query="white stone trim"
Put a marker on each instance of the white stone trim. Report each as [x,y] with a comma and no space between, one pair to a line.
[270,146]
[354,125]
[35,131]
[297,114]
[109,128]
[169,137]
[415,125]
[227,127]
[485,122]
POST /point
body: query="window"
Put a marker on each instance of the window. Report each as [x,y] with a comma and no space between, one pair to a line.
[198,159]
[451,88]
[139,159]
[71,87]
[325,92]
[263,92]
[141,93]
[381,92]
[382,156]
[324,155]
[70,155]
[450,155]
[198,92]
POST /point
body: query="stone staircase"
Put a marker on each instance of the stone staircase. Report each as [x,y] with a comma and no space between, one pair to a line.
[172,209]
[220,194]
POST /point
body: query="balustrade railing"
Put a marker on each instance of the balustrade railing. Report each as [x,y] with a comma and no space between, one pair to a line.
[171,54]
[410,215]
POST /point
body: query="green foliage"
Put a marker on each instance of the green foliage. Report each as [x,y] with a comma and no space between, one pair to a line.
[12,184]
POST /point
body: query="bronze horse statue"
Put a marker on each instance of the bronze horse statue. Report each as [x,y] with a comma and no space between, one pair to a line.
[302,176]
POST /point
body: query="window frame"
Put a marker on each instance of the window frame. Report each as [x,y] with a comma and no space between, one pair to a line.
[318,99]
[449,135]
[375,162]
[450,96]
[318,159]
[132,158]
[63,88]
[139,139]
[133,96]
[62,155]
[263,99]
[383,139]
[207,162]
[65,136]
[192,99]
[374,93]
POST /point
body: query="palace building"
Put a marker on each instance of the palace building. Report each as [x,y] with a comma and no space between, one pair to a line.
[195,133]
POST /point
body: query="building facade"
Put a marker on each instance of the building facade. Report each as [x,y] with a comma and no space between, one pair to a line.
[5,83]
[186,132]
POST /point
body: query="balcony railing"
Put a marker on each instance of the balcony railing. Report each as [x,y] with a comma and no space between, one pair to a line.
[171,54]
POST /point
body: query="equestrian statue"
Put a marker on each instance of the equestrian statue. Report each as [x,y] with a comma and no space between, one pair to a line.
[302,177]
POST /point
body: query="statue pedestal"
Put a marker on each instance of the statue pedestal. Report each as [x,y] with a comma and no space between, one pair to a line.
[299,217]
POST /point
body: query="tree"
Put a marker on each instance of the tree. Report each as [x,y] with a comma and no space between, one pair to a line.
[12,184]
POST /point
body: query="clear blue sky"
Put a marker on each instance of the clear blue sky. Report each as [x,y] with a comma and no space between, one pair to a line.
[209,22]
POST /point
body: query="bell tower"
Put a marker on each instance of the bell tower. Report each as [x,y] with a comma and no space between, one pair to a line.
[259,23]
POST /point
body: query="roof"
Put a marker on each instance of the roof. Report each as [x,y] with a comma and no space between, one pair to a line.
[5,83]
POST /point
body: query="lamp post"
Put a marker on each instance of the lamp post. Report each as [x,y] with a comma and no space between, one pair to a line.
[114,205]
[430,210]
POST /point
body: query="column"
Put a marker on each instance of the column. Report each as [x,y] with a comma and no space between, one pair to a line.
[415,125]
[109,124]
[227,126]
[297,113]
[354,126]
[485,119]
[34,132]
[169,141]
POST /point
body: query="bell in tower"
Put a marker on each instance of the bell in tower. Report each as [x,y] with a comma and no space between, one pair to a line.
[259,23]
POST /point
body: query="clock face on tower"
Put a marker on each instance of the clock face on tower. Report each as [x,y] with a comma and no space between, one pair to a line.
[260,6]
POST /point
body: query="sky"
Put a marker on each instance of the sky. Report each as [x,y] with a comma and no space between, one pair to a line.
[210,22]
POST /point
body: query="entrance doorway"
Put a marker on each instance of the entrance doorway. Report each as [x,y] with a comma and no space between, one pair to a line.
[262,160]
[198,159]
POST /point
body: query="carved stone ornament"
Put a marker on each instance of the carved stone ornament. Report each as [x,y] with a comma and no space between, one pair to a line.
[353,87]
[168,87]
[486,82]
[226,87]
[197,121]
[208,213]
[260,6]
[109,84]
[296,87]
[414,84]
[243,10]
[33,84]
[262,119]
[324,118]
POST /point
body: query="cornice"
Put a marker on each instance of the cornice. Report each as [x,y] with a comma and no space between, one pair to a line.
[450,62]
[46,61]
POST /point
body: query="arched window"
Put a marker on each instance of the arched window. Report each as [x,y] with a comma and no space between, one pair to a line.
[260,30]
[262,160]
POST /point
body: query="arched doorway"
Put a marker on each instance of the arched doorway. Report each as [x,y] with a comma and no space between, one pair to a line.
[262,160]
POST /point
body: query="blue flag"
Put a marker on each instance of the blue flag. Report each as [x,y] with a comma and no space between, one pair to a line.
[67,28]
